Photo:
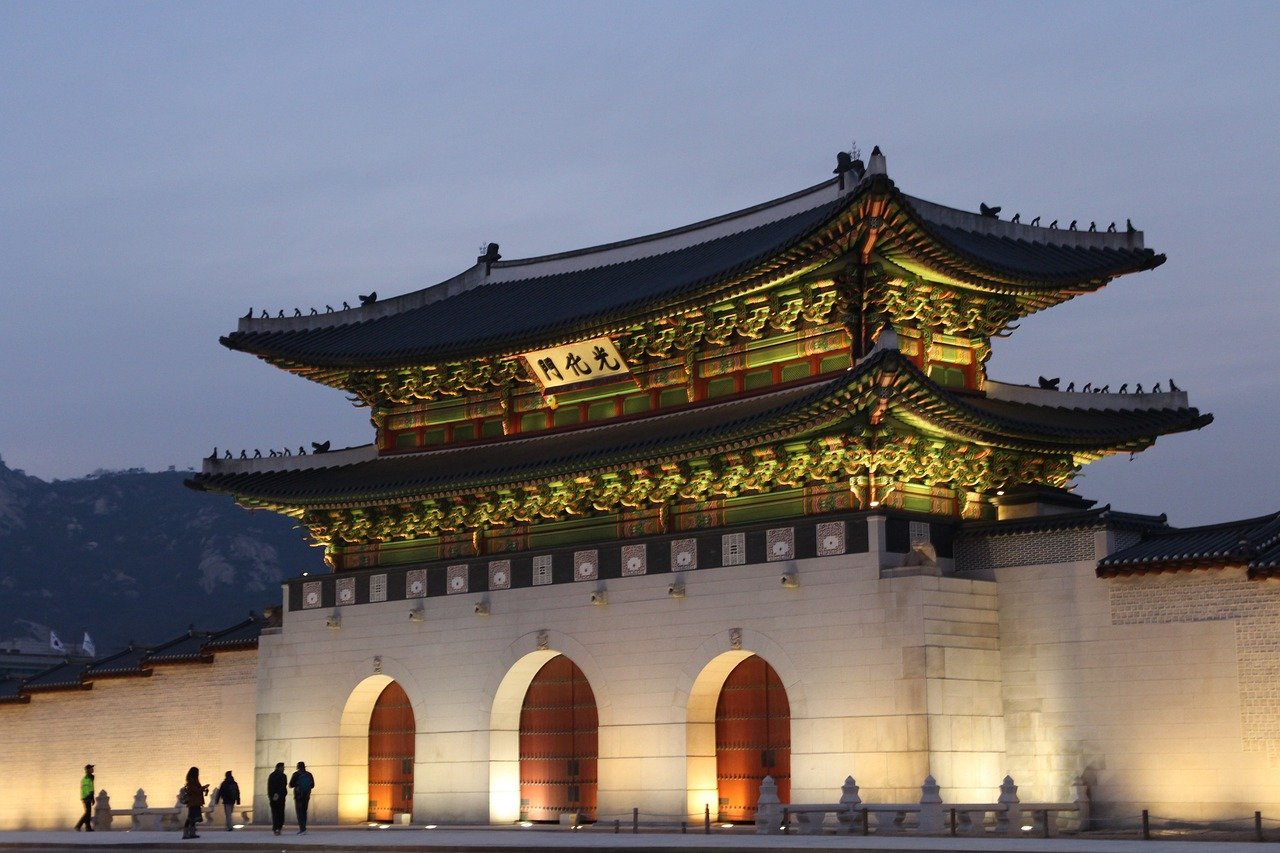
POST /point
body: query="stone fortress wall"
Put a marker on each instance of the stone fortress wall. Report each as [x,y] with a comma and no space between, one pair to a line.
[138,732]
[1159,690]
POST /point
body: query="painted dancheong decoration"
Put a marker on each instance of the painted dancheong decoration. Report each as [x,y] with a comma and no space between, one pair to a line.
[821,353]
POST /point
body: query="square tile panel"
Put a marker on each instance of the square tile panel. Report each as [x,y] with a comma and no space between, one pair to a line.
[684,555]
[378,588]
[415,583]
[733,549]
[830,536]
[542,570]
[634,561]
[780,544]
[918,531]
[346,591]
[586,565]
[500,574]
[456,579]
[311,595]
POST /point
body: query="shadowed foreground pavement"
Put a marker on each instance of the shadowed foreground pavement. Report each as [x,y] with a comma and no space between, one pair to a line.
[554,839]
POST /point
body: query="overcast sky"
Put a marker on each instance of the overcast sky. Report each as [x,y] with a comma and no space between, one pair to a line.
[164,166]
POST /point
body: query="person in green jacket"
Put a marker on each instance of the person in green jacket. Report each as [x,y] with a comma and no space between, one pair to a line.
[86,797]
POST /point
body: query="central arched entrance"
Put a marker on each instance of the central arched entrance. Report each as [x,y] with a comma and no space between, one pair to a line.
[753,738]
[558,744]
[391,754]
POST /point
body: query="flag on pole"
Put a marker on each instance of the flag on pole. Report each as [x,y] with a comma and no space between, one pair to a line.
[88,647]
[55,643]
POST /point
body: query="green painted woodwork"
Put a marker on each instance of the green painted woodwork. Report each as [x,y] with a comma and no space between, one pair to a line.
[722,386]
[755,379]
[533,422]
[635,404]
[406,440]
[491,428]
[673,397]
[766,507]
[794,372]
[566,416]
[835,362]
[602,410]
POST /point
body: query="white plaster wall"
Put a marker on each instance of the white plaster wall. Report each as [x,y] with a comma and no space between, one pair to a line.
[139,732]
[849,647]
[1149,713]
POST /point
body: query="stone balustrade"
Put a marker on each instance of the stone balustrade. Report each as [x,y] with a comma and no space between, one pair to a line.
[1007,815]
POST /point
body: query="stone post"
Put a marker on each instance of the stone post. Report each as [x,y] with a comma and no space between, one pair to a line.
[1009,817]
[1080,792]
[930,817]
[102,812]
[768,809]
[851,801]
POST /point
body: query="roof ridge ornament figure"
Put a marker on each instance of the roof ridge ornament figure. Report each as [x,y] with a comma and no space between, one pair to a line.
[1036,222]
[490,257]
[990,212]
[877,165]
[369,299]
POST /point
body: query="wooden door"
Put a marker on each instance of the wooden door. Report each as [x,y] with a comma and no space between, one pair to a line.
[753,738]
[391,753]
[558,744]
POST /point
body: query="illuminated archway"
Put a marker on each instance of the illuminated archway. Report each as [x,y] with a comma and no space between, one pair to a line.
[559,744]
[392,735]
[353,747]
[703,757]
[753,738]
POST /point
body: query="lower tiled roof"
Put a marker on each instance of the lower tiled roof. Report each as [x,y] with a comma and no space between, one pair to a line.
[1253,543]
[711,427]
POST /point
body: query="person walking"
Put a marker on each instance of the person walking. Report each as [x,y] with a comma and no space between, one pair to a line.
[195,802]
[277,787]
[86,797]
[302,783]
[228,794]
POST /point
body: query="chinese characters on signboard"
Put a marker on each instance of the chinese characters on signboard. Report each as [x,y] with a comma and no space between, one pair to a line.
[574,364]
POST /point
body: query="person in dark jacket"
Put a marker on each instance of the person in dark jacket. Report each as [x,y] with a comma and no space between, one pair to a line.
[86,797]
[228,794]
[302,783]
[277,787]
[195,802]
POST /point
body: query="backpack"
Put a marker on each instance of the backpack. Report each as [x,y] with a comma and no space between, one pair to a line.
[182,796]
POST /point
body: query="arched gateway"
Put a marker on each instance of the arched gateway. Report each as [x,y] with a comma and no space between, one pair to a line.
[558,744]
[391,754]
[753,738]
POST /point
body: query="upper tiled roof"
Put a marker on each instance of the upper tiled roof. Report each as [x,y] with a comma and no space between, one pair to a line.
[1253,543]
[524,309]
[700,429]
[515,305]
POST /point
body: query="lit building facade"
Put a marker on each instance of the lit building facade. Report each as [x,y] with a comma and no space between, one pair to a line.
[643,523]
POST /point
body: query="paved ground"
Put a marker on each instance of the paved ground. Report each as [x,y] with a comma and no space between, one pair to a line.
[545,839]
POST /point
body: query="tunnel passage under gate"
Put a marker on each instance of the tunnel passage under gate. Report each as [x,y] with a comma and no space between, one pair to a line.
[753,738]
[558,744]
[391,754]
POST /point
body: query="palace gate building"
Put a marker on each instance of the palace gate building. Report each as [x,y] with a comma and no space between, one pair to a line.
[643,523]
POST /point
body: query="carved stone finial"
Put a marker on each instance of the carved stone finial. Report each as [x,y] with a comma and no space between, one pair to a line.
[735,639]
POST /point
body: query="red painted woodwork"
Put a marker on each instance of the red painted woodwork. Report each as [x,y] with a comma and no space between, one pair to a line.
[753,738]
[391,753]
[558,744]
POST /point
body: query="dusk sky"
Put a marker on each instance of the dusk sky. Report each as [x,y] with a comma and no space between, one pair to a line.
[164,166]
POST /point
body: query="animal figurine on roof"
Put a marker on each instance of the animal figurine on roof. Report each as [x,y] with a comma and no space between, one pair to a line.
[371,298]
[319,447]
[990,212]
[1049,384]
